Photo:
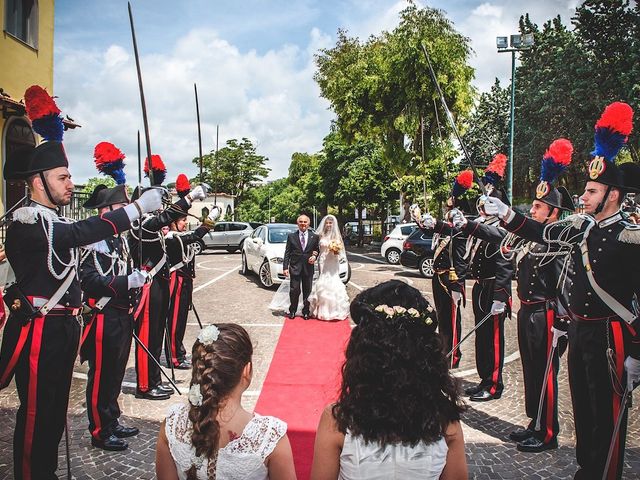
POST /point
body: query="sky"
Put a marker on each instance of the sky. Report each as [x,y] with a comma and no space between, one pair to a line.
[253,63]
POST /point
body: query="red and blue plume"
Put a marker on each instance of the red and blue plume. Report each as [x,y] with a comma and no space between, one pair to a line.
[158,168]
[110,161]
[556,160]
[495,170]
[462,183]
[182,185]
[612,130]
[44,113]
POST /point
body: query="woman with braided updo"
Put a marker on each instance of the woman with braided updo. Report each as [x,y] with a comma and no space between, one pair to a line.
[398,411]
[212,436]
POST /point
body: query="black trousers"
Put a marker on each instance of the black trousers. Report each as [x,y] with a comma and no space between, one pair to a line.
[43,369]
[489,338]
[449,316]
[150,327]
[107,347]
[294,292]
[534,341]
[181,297]
[596,392]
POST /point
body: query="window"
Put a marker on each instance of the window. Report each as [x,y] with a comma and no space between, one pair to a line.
[237,226]
[21,20]
[407,230]
[263,234]
[219,227]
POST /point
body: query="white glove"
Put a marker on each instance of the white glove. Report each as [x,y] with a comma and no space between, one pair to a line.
[428,221]
[632,366]
[456,297]
[198,193]
[214,214]
[557,335]
[136,279]
[458,219]
[495,206]
[149,201]
[497,307]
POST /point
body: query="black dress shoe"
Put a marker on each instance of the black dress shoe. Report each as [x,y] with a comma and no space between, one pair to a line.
[155,394]
[166,389]
[123,432]
[183,365]
[291,315]
[521,434]
[534,445]
[112,443]
[484,396]
[472,390]
[305,316]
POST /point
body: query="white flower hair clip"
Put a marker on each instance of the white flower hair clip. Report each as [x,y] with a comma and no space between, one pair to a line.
[195,395]
[398,310]
[208,335]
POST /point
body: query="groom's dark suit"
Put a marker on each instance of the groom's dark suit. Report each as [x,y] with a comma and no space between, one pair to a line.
[296,260]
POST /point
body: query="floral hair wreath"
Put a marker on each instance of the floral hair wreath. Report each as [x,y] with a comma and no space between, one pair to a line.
[399,310]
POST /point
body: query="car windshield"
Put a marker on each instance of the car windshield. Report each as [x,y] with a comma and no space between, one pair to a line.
[279,234]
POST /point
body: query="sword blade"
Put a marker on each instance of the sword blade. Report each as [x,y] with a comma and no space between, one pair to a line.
[489,315]
[153,359]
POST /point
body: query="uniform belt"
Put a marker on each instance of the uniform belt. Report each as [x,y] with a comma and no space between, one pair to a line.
[534,302]
[440,272]
[56,309]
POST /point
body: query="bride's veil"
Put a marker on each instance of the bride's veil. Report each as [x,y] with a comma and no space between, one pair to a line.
[333,232]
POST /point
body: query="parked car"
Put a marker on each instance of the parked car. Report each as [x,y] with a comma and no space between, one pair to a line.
[392,244]
[227,236]
[417,252]
[350,233]
[263,253]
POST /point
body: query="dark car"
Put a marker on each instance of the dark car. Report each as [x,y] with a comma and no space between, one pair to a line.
[417,252]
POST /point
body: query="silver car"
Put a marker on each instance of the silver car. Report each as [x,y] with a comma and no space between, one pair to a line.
[227,236]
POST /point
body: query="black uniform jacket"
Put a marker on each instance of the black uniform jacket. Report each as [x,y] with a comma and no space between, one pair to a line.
[108,281]
[28,245]
[176,248]
[614,254]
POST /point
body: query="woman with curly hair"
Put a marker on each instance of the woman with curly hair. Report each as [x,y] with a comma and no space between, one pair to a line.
[398,412]
[212,436]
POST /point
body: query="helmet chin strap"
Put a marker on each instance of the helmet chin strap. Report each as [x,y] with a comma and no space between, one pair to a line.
[600,206]
[551,210]
[46,189]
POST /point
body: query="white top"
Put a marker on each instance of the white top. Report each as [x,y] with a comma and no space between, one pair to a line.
[242,458]
[370,461]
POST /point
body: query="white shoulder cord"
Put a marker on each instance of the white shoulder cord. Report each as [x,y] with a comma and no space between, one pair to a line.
[47,226]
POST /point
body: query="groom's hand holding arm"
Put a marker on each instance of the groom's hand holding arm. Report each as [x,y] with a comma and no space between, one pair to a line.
[312,258]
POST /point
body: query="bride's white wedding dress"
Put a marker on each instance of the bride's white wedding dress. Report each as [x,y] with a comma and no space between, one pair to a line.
[328,298]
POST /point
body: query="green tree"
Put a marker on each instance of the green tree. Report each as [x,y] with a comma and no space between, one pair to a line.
[234,169]
[93,182]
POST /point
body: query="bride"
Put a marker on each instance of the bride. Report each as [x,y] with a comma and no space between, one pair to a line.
[328,298]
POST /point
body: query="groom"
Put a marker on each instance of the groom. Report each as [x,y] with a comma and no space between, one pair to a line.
[299,257]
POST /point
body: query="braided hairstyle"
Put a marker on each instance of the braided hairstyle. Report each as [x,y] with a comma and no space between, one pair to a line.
[217,368]
[396,385]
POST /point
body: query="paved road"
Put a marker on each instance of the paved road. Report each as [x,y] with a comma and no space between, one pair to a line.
[222,295]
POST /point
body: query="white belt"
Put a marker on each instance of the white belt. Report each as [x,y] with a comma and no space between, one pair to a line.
[38,302]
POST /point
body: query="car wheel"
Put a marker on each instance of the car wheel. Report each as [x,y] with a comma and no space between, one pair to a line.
[198,247]
[393,256]
[426,267]
[244,270]
[348,277]
[265,275]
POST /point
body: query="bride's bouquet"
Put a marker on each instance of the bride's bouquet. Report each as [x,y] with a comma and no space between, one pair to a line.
[334,247]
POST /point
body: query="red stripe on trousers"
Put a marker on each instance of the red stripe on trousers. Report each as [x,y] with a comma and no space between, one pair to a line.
[174,323]
[22,338]
[454,324]
[32,396]
[618,343]
[87,329]
[496,353]
[96,377]
[549,381]
[143,360]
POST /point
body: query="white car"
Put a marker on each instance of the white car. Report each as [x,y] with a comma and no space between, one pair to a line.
[392,245]
[263,253]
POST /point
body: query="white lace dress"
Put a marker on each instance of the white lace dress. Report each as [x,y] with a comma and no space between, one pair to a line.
[370,461]
[240,459]
[329,299]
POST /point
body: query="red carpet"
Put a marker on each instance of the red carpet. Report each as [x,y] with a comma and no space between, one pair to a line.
[304,376]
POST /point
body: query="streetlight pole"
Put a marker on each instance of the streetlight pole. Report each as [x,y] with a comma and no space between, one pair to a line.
[518,43]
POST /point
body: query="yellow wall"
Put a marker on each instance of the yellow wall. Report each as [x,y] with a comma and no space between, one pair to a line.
[22,66]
